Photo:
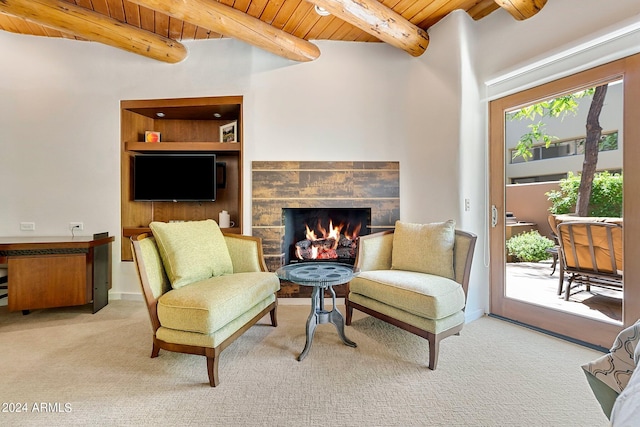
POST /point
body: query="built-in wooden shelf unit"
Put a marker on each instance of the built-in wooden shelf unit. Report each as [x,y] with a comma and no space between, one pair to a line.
[186,125]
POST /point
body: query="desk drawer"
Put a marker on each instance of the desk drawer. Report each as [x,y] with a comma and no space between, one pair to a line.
[44,281]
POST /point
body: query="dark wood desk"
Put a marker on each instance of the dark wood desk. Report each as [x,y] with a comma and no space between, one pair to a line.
[46,272]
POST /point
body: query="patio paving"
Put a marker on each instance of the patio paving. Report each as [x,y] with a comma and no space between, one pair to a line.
[532,282]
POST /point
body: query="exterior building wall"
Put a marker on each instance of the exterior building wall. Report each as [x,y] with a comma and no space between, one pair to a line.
[529,203]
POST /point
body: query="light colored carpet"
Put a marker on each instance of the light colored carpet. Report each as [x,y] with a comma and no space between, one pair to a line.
[493,374]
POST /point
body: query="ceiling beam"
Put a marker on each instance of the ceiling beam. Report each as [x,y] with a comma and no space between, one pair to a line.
[90,25]
[378,20]
[482,8]
[522,9]
[236,24]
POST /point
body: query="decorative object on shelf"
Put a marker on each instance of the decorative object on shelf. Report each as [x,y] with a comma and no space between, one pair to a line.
[224,220]
[229,132]
[151,136]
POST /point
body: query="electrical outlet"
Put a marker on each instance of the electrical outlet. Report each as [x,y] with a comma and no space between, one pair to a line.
[27,226]
[76,226]
[467,204]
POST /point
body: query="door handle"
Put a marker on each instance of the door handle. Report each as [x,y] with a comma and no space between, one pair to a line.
[494,216]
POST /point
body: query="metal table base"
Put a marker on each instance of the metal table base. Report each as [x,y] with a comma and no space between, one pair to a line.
[322,276]
[319,316]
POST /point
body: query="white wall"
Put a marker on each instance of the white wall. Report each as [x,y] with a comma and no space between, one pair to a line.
[542,43]
[59,117]
[60,135]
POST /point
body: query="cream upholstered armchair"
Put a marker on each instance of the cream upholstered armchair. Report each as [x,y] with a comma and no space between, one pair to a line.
[415,278]
[203,289]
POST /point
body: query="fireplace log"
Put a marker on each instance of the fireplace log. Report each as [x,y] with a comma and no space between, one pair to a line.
[343,252]
[320,243]
[305,253]
[325,243]
[327,254]
[345,241]
[303,244]
[326,248]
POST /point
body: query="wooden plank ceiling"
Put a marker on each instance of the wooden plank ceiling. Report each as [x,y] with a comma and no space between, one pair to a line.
[297,18]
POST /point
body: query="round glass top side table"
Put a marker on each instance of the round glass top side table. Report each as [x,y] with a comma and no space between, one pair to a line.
[320,275]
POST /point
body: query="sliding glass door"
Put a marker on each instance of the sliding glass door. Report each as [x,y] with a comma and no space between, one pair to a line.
[534,142]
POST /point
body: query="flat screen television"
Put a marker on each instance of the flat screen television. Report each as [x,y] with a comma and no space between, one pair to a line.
[174,177]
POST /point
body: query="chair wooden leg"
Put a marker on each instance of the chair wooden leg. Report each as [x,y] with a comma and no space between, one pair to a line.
[274,316]
[434,349]
[213,356]
[348,314]
[155,350]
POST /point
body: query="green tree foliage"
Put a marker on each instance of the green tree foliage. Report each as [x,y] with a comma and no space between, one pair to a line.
[608,142]
[606,195]
[529,246]
[560,107]
[557,107]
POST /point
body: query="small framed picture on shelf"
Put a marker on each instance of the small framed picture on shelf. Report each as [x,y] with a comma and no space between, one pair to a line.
[151,136]
[229,132]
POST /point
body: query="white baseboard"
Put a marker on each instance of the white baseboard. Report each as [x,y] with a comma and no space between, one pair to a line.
[470,316]
[127,296]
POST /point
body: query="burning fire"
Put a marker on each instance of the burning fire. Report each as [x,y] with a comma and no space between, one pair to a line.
[332,244]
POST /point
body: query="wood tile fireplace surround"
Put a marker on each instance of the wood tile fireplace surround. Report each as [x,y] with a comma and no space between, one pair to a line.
[309,184]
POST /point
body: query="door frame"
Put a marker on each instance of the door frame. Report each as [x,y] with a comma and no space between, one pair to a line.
[581,328]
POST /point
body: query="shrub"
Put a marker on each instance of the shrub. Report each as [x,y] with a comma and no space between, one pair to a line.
[529,246]
[605,200]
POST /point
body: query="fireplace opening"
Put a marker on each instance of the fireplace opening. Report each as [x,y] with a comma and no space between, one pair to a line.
[324,234]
